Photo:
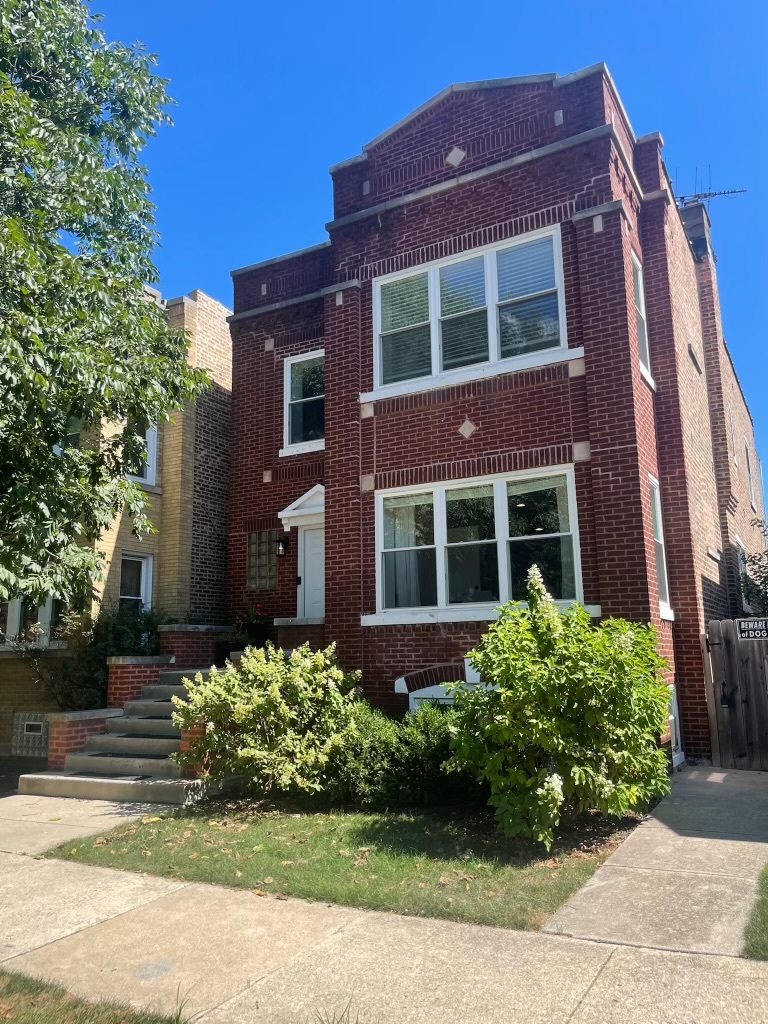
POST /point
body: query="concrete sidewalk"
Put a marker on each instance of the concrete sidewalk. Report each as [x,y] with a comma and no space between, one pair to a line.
[686,879]
[240,958]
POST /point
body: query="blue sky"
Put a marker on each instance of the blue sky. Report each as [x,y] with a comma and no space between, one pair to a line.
[269,95]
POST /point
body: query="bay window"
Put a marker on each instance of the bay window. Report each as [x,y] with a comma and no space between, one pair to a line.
[489,308]
[472,542]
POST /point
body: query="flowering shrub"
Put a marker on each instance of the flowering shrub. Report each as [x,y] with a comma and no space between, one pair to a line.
[569,718]
[276,721]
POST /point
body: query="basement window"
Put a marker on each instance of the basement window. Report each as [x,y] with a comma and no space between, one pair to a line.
[491,310]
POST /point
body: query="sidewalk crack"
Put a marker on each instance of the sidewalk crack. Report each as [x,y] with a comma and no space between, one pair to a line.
[591,985]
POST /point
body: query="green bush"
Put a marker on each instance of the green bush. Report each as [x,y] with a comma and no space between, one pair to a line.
[78,680]
[388,763]
[572,721]
[276,721]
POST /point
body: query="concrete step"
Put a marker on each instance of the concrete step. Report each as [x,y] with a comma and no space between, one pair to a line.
[180,792]
[114,764]
[176,677]
[142,727]
[132,746]
[148,709]
[163,692]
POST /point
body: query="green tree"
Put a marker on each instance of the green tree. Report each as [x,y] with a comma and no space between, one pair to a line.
[753,577]
[78,338]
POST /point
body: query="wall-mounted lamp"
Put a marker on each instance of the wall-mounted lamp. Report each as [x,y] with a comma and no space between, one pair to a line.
[282,546]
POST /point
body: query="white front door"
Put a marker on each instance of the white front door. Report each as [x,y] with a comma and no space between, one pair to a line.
[312,573]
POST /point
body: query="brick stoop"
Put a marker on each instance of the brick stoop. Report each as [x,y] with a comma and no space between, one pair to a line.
[114,756]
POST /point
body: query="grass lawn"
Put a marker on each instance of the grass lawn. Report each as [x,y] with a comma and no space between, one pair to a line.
[26,1001]
[756,946]
[453,866]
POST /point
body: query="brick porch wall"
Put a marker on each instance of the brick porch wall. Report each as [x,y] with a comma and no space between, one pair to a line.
[129,675]
[68,731]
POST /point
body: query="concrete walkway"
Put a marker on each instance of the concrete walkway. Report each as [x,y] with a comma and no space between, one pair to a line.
[244,959]
[686,879]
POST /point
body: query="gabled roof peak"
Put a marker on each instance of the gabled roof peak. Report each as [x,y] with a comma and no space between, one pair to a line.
[490,83]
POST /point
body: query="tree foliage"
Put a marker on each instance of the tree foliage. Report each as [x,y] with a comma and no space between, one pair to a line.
[754,578]
[569,716]
[78,338]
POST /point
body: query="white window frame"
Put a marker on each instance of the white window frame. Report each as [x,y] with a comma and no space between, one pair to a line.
[146,576]
[317,445]
[13,624]
[654,489]
[738,543]
[750,478]
[150,463]
[641,311]
[733,435]
[494,365]
[473,611]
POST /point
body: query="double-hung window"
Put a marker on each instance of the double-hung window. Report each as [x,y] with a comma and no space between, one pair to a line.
[136,581]
[659,549]
[472,542]
[146,471]
[638,285]
[490,308]
[750,480]
[304,404]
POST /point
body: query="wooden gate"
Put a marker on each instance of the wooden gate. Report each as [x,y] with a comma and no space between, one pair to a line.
[736,668]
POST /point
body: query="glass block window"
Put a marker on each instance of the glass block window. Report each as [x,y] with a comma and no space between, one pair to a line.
[262,560]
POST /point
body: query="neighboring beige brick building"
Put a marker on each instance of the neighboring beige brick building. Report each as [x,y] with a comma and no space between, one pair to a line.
[180,568]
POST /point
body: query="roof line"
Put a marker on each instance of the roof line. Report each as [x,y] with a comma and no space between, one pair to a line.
[280,259]
[489,83]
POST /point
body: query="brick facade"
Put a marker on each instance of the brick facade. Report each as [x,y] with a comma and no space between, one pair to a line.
[538,152]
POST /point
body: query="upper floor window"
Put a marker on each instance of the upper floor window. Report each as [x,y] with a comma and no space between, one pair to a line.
[495,306]
[640,315]
[304,404]
[659,549]
[473,542]
[146,471]
[750,480]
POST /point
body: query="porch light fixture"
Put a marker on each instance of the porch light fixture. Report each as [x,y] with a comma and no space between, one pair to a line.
[282,546]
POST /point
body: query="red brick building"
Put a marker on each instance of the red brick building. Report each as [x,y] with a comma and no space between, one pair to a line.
[508,351]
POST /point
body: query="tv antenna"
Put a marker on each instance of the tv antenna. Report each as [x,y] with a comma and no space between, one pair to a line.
[700,197]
